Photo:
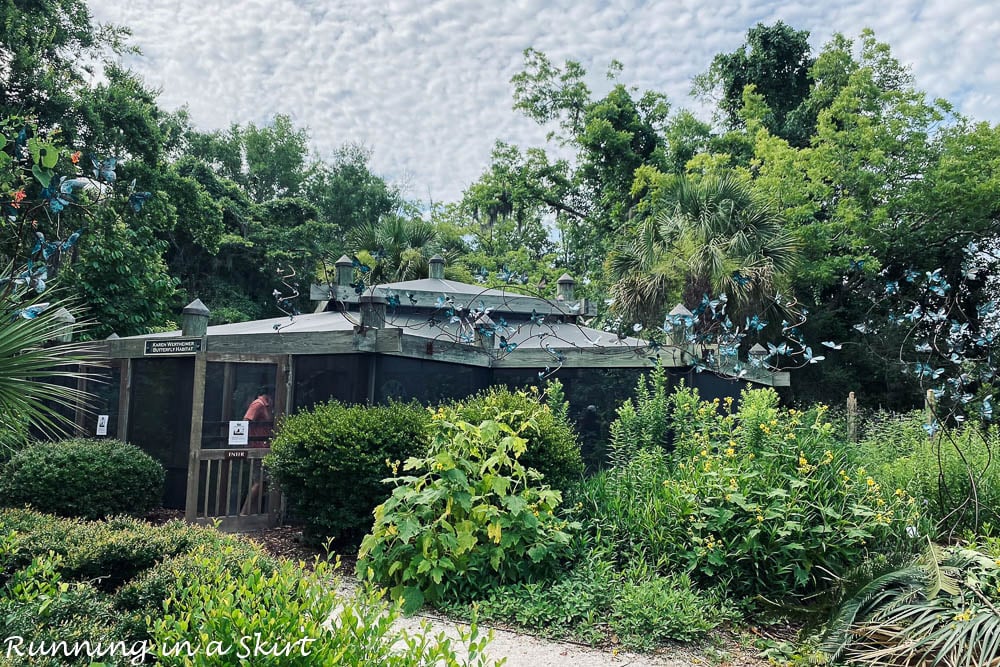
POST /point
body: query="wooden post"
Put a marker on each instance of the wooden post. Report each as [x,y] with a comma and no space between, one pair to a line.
[194,447]
[929,405]
[852,418]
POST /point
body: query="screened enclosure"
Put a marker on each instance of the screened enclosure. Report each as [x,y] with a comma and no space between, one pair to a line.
[189,396]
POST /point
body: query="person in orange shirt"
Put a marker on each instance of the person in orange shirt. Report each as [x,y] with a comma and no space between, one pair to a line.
[260,414]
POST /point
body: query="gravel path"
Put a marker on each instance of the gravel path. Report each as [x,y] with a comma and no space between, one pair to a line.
[523,650]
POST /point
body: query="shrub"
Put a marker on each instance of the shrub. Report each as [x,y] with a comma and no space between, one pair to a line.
[764,500]
[552,446]
[84,478]
[291,617]
[106,553]
[472,517]
[642,422]
[593,600]
[955,475]
[649,612]
[938,609]
[331,460]
[37,606]
[143,596]
[574,604]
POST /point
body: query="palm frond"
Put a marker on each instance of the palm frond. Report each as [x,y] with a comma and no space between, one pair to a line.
[32,365]
[878,592]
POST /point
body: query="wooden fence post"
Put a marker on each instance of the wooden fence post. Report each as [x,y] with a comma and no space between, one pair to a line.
[852,418]
[929,409]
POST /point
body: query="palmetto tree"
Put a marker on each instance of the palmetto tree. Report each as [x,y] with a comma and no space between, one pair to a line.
[710,236]
[31,366]
[401,247]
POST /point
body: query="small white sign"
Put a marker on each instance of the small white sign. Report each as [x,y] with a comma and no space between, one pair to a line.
[102,424]
[239,433]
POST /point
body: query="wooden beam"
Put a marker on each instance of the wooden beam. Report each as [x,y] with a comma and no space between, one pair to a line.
[194,446]
[511,302]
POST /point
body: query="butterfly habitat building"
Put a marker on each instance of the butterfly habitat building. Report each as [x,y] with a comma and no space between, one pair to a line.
[183,396]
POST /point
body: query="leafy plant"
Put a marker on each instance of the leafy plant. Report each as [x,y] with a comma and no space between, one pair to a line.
[953,474]
[108,553]
[330,461]
[762,499]
[642,421]
[37,605]
[83,477]
[649,612]
[594,601]
[293,616]
[471,517]
[552,447]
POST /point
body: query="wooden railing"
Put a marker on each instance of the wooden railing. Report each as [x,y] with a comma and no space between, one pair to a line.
[234,489]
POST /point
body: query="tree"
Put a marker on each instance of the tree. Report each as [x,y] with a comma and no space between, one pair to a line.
[708,237]
[613,136]
[398,247]
[347,193]
[776,61]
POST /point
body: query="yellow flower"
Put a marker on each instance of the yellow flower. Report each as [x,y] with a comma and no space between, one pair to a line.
[732,483]
[751,456]
[760,518]
[899,493]
[964,616]
[704,453]
[730,452]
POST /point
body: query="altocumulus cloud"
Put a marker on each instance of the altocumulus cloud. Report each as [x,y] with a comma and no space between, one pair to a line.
[425,83]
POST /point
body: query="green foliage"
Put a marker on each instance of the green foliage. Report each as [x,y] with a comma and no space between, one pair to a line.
[108,553]
[776,61]
[763,499]
[649,612]
[330,461]
[941,608]
[593,600]
[713,235]
[144,594]
[25,398]
[552,447]
[471,517]
[38,606]
[83,477]
[293,616]
[954,475]
[574,604]
[642,421]
[200,587]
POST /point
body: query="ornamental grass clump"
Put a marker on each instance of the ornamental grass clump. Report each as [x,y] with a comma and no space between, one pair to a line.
[762,499]
[470,517]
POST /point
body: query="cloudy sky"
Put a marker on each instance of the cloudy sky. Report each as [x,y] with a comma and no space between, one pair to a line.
[425,84]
